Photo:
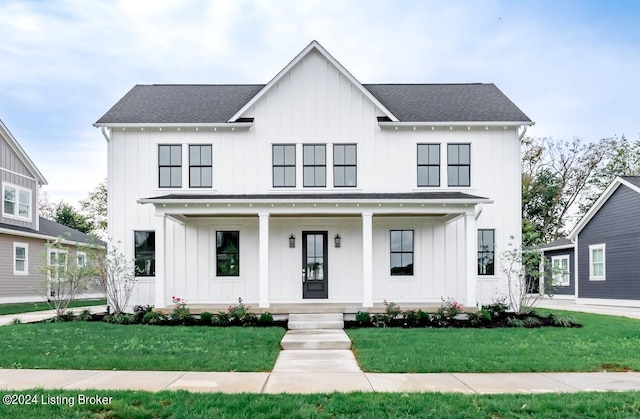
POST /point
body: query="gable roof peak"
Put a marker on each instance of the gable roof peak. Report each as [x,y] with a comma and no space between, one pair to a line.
[22,155]
[314,45]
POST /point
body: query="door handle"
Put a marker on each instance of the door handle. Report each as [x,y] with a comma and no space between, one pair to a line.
[304,275]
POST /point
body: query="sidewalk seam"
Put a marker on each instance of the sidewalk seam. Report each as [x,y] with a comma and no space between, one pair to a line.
[181,376]
[453,374]
[546,374]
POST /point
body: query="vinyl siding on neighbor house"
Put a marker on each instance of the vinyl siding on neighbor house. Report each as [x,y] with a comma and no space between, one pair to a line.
[30,286]
[14,171]
[562,290]
[616,225]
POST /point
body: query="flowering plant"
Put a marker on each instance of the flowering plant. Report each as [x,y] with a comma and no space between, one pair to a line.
[449,308]
[181,311]
[240,312]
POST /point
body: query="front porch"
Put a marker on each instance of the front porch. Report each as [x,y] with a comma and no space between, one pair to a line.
[353,251]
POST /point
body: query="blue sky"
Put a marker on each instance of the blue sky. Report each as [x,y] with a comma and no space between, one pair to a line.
[572,66]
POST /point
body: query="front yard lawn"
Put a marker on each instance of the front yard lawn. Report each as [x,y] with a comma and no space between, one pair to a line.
[15,308]
[180,404]
[604,343]
[96,345]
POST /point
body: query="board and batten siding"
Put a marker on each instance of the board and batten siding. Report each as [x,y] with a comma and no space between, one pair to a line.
[14,171]
[616,225]
[562,290]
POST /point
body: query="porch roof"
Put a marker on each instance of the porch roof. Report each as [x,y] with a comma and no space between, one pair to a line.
[438,197]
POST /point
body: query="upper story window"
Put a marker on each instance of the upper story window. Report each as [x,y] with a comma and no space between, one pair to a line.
[314,165]
[200,166]
[284,165]
[16,202]
[170,166]
[486,251]
[401,252]
[81,259]
[459,164]
[428,164]
[145,252]
[344,165]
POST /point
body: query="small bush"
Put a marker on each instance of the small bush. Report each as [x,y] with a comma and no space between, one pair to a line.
[205,317]
[139,312]
[363,317]
[181,313]
[392,310]
[239,313]
[479,317]
[221,319]
[449,309]
[563,321]
[531,321]
[265,318]
[67,316]
[16,320]
[411,318]
[497,309]
[153,317]
[515,322]
[84,316]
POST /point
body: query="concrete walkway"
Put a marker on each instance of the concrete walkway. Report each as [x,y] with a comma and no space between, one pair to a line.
[570,305]
[37,316]
[318,382]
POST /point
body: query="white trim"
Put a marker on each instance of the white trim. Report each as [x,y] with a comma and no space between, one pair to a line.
[57,251]
[22,155]
[398,124]
[613,186]
[314,45]
[84,255]
[367,259]
[18,189]
[561,275]
[214,125]
[20,233]
[18,174]
[560,247]
[570,297]
[608,302]
[592,247]
[16,245]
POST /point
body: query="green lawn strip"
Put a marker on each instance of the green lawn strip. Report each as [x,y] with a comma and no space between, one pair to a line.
[97,345]
[604,343]
[181,404]
[42,305]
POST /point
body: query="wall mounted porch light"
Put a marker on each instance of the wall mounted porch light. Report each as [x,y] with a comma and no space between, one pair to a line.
[337,240]
[292,241]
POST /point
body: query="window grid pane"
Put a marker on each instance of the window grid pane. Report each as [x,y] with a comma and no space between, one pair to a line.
[284,165]
[459,164]
[200,169]
[344,165]
[428,164]
[227,253]
[145,252]
[314,165]
[401,254]
[170,166]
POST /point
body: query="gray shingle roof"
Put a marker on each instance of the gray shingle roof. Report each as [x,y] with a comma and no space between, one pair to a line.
[55,230]
[447,102]
[561,242]
[193,104]
[325,196]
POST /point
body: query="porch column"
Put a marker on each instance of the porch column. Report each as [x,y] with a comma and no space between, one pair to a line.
[367,259]
[161,258]
[471,256]
[263,262]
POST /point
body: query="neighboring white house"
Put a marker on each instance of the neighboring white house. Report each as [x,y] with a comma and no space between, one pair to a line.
[315,188]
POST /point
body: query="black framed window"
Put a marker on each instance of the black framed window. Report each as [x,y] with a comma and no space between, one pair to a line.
[344,165]
[314,165]
[428,164]
[145,252]
[284,165]
[200,166]
[170,166]
[227,253]
[401,252]
[486,251]
[459,164]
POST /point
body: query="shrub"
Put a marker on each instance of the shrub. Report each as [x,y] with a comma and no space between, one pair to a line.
[479,317]
[265,318]
[67,316]
[531,321]
[124,318]
[563,321]
[153,317]
[392,310]
[411,318]
[205,317]
[140,311]
[449,309]
[181,312]
[363,317]
[497,309]
[84,316]
[514,322]
[16,320]
[239,314]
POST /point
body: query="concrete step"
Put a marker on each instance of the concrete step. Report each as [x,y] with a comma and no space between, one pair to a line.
[320,360]
[315,339]
[316,321]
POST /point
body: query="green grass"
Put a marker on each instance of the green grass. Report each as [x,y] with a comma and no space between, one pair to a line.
[128,404]
[96,345]
[604,343]
[42,305]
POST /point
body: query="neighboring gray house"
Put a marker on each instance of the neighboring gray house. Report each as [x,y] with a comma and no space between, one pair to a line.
[560,255]
[606,243]
[24,235]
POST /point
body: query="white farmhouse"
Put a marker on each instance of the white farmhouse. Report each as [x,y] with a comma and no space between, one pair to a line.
[315,189]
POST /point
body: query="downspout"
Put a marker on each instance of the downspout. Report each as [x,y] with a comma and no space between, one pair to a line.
[524,131]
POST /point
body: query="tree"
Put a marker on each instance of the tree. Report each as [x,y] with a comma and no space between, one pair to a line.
[116,276]
[46,208]
[94,208]
[69,216]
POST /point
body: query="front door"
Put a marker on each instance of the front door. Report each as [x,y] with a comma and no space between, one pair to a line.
[314,264]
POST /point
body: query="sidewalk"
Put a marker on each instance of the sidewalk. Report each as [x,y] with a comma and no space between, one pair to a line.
[570,305]
[36,316]
[304,382]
